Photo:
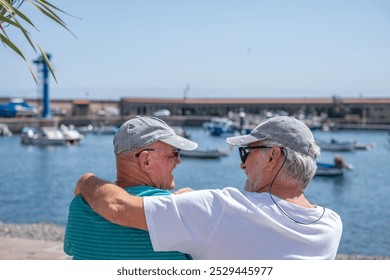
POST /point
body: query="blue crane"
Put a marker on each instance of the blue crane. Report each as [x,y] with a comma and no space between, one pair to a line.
[44,69]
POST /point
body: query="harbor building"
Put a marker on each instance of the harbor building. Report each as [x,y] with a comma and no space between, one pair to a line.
[369,113]
[347,110]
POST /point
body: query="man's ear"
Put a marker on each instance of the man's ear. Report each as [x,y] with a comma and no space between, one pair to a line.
[144,160]
[275,153]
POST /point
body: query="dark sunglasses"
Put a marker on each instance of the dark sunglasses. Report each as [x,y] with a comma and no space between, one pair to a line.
[244,151]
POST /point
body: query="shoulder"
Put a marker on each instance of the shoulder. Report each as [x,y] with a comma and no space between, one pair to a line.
[79,209]
[224,193]
[78,202]
[333,217]
[146,191]
[200,198]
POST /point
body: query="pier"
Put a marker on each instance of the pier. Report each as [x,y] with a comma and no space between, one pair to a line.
[351,113]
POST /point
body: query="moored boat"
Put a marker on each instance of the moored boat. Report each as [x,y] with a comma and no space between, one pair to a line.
[327,169]
[205,153]
[4,130]
[97,129]
[72,136]
[44,136]
[220,126]
[105,129]
[332,169]
[364,146]
[334,145]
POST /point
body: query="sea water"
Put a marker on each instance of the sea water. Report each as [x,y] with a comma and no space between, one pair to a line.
[37,183]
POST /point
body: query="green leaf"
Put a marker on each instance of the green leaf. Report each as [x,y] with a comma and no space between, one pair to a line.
[47,61]
[10,14]
[2,29]
[47,4]
[6,41]
[16,49]
[51,14]
[25,33]
[11,22]
[12,10]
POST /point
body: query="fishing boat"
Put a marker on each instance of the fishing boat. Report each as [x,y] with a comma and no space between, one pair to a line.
[97,129]
[335,145]
[332,169]
[328,169]
[205,153]
[220,126]
[44,136]
[105,129]
[363,146]
[18,107]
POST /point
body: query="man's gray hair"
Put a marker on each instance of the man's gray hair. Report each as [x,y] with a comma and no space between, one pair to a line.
[298,166]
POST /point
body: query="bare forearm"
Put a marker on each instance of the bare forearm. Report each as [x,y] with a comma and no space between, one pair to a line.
[112,202]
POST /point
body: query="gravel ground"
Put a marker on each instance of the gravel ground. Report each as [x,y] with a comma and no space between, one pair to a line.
[52,232]
[40,231]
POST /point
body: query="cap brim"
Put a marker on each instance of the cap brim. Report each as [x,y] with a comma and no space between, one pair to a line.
[180,143]
[242,140]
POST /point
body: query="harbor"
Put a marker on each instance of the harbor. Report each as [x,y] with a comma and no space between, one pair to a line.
[38,181]
[49,146]
[318,113]
[210,71]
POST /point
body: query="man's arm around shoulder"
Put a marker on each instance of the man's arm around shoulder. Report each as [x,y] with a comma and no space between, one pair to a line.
[112,202]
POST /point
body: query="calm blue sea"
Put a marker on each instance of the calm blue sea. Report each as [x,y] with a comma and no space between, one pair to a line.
[37,182]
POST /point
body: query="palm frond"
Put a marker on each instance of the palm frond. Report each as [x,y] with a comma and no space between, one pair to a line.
[7,42]
[10,16]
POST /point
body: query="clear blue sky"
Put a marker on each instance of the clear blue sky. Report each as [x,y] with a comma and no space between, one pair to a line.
[221,48]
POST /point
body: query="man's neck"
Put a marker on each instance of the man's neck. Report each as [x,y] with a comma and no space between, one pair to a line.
[291,193]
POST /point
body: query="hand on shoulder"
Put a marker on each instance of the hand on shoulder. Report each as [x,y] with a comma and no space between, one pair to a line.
[82,182]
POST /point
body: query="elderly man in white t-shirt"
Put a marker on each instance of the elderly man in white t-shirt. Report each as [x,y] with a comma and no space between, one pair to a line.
[270,219]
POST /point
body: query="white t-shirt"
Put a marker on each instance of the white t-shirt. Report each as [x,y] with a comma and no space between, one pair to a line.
[230,224]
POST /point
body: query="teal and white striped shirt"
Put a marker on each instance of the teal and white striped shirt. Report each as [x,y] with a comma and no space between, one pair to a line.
[89,236]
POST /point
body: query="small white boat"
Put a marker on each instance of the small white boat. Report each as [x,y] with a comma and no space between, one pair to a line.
[162,113]
[72,136]
[110,129]
[205,153]
[334,145]
[4,130]
[364,146]
[90,129]
[44,136]
[220,126]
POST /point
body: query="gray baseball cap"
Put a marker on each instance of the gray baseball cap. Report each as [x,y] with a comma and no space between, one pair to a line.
[142,131]
[288,131]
